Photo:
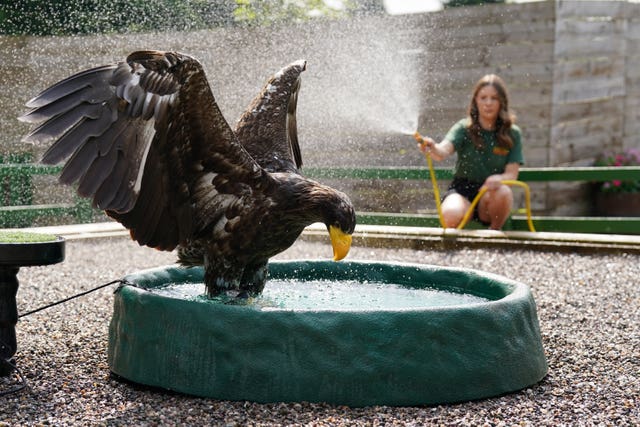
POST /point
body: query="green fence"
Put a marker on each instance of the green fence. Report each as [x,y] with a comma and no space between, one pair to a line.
[17,208]
[572,224]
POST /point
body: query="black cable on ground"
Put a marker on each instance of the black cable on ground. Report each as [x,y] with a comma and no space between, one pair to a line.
[8,365]
[11,366]
[122,282]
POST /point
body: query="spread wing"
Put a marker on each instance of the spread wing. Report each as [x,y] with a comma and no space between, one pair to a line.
[147,142]
[268,129]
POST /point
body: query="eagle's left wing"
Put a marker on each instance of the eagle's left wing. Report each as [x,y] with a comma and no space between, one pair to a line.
[267,129]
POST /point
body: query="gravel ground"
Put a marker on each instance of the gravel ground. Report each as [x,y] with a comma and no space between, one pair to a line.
[588,307]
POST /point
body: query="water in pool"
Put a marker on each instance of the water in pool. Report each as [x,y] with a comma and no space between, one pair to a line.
[331,296]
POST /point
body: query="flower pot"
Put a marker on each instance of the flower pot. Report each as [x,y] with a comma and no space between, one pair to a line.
[617,204]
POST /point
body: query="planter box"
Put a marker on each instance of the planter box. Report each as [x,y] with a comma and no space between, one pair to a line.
[617,204]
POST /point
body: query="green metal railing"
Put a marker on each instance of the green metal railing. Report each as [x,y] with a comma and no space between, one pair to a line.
[595,174]
[18,210]
[572,224]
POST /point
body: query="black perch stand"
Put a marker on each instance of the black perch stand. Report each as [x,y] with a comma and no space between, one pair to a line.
[14,255]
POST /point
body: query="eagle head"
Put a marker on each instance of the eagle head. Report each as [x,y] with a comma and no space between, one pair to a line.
[341,222]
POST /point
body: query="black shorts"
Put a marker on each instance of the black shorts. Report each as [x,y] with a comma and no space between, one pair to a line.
[467,189]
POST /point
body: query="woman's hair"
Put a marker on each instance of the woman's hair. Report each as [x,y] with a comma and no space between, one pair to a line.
[505,117]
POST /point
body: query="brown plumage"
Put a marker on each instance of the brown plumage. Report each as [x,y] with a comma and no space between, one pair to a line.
[146,141]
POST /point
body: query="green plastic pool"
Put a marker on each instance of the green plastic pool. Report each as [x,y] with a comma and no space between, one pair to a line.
[351,333]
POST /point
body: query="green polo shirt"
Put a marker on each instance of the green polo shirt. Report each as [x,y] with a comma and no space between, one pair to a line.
[476,165]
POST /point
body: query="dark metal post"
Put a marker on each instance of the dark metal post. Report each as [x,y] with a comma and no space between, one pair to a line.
[8,315]
[12,257]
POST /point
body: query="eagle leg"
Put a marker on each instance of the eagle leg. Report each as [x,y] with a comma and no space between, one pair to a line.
[221,276]
[253,279]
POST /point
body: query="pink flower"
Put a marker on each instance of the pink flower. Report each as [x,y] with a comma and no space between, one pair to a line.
[617,182]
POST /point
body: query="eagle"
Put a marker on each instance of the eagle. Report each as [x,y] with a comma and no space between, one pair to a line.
[145,139]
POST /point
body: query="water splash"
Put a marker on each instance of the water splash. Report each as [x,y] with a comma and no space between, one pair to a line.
[345,295]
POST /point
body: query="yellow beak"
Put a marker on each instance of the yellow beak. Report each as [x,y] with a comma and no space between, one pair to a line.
[340,241]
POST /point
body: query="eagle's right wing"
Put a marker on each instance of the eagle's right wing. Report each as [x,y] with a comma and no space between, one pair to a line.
[147,142]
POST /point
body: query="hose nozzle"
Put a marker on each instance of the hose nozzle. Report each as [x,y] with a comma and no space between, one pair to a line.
[418,137]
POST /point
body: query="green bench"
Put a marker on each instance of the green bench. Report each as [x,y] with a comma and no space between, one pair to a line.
[572,224]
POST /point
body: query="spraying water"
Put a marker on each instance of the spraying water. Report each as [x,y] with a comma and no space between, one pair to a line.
[377,92]
[359,103]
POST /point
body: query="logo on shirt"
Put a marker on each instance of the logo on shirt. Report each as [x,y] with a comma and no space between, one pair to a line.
[499,151]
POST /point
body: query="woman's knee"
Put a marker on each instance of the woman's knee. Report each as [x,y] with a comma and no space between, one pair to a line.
[501,196]
[451,218]
[496,203]
[453,209]
[506,194]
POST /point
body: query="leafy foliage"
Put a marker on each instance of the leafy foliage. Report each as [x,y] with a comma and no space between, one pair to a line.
[66,17]
[630,157]
[260,12]
[61,17]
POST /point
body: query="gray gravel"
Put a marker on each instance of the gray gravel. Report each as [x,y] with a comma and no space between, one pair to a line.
[588,307]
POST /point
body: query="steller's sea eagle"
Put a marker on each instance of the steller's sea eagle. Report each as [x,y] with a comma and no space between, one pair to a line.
[146,141]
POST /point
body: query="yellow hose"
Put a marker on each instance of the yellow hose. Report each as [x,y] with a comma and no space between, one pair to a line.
[436,191]
[467,215]
[434,181]
[483,190]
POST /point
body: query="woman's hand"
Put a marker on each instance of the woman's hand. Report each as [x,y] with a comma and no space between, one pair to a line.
[493,182]
[437,151]
[427,144]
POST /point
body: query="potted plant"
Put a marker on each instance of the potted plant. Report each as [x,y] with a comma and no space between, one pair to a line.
[618,197]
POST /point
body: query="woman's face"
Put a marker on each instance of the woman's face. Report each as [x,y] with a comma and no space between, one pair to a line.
[488,104]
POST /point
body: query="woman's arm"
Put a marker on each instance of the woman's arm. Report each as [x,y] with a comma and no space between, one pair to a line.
[439,151]
[511,171]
